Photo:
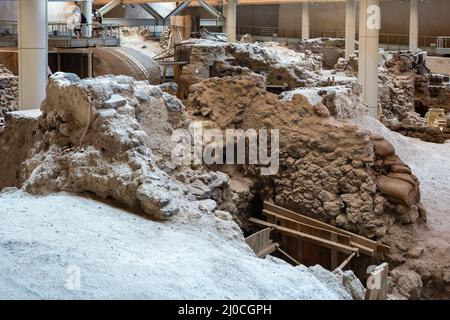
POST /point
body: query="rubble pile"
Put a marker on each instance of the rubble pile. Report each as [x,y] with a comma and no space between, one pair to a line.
[329,169]
[331,49]
[279,65]
[9,93]
[348,66]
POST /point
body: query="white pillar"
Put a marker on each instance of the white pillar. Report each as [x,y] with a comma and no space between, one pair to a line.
[86,8]
[350,27]
[305,21]
[369,24]
[32,53]
[231,20]
[414,25]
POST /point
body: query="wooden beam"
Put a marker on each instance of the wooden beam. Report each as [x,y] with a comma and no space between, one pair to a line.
[306,237]
[356,239]
[346,261]
[268,250]
[288,256]
[307,228]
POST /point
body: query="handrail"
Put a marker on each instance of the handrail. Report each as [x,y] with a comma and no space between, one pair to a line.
[443,42]
[61,30]
[392,40]
[8,28]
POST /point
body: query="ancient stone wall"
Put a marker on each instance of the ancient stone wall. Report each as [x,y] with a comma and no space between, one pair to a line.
[9,93]
[329,169]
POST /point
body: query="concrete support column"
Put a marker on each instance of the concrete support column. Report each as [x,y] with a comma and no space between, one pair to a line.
[225,14]
[86,9]
[32,53]
[350,27]
[414,25]
[369,25]
[231,20]
[305,20]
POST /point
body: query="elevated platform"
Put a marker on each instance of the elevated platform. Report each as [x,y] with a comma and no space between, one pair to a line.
[83,42]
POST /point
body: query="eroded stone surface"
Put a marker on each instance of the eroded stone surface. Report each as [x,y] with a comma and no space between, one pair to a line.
[328,168]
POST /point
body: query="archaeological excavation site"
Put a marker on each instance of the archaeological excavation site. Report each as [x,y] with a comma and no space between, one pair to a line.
[225,150]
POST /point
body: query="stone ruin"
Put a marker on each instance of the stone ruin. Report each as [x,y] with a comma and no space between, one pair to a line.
[9,93]
[280,66]
[103,136]
[407,90]
[331,49]
[111,136]
[329,169]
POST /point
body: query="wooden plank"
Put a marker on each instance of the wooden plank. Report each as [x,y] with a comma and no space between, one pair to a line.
[341,238]
[333,254]
[259,240]
[346,261]
[288,256]
[306,237]
[266,251]
[375,246]
[362,249]
[344,239]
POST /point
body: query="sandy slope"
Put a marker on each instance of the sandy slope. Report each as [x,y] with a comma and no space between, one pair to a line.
[44,240]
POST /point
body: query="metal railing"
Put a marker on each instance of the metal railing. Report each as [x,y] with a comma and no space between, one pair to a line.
[155,30]
[443,42]
[390,40]
[61,30]
[8,29]
[443,45]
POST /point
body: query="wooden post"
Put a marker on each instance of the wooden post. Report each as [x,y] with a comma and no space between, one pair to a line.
[377,283]
[333,252]
[90,68]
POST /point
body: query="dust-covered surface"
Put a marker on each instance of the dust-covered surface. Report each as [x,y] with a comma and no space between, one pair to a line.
[46,242]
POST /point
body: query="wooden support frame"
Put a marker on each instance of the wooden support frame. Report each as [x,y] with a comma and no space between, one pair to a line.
[366,246]
[313,239]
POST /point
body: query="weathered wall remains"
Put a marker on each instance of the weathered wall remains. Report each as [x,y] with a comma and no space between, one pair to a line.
[98,136]
[280,66]
[328,168]
[16,141]
[9,93]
